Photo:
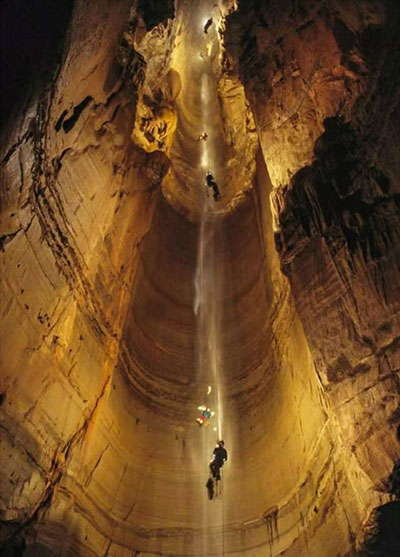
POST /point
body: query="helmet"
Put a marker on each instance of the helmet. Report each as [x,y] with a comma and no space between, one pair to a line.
[221,443]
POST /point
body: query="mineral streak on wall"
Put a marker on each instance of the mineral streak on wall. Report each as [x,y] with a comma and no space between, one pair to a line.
[101,191]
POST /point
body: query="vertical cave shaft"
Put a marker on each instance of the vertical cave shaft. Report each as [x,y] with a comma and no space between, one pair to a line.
[126,291]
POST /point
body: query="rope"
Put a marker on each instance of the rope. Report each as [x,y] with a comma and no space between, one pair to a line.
[223,521]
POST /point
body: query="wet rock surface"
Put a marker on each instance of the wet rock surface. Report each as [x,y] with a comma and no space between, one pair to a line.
[99,239]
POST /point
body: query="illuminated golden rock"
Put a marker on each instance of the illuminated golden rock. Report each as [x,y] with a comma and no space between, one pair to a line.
[103,202]
[154,127]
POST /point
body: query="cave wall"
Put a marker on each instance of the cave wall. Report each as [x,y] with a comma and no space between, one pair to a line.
[98,437]
[322,80]
[77,202]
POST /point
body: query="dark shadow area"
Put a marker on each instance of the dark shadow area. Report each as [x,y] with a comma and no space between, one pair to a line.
[20,456]
[78,109]
[155,12]
[26,544]
[341,191]
[393,484]
[382,538]
[32,38]
[13,547]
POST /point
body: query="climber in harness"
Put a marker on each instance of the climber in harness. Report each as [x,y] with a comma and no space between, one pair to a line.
[210,488]
[220,455]
[203,136]
[208,25]
[211,183]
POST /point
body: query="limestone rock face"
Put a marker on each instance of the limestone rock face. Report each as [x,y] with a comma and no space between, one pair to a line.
[304,63]
[109,242]
[324,91]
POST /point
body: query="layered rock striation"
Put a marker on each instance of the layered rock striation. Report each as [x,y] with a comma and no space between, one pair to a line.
[103,198]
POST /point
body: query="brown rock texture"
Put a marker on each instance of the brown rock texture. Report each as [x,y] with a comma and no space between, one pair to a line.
[126,291]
